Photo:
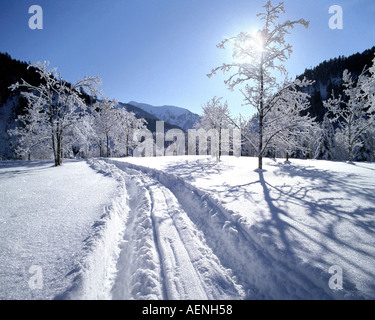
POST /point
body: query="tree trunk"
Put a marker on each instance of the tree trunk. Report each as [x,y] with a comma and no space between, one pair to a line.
[58,160]
[350,153]
[261,117]
[108,150]
[53,136]
[219,143]
[260,162]
[59,134]
[350,142]
[57,149]
[260,147]
[100,144]
[54,149]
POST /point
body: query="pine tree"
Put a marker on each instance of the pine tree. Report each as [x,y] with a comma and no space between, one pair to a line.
[326,142]
[364,150]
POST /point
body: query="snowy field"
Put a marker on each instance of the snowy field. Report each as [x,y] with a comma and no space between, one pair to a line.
[49,219]
[187,228]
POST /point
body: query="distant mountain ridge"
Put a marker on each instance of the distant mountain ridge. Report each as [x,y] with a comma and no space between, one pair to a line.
[150,118]
[177,116]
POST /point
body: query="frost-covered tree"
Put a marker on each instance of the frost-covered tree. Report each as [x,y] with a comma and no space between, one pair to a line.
[325,145]
[127,124]
[53,106]
[249,134]
[82,137]
[287,126]
[258,56]
[355,112]
[104,123]
[32,136]
[368,87]
[364,150]
[216,115]
[114,128]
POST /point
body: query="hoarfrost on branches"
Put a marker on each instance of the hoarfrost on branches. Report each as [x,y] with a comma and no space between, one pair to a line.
[354,113]
[256,58]
[216,116]
[53,106]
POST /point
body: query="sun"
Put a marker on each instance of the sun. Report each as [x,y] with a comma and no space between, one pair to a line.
[248,47]
[257,41]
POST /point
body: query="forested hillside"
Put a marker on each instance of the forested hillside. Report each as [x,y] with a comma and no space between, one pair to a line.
[328,78]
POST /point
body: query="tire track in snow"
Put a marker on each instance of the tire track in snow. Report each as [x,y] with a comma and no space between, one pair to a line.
[180,277]
[216,281]
[188,267]
[139,274]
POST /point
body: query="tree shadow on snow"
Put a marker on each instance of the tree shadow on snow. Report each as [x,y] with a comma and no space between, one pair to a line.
[202,168]
[11,168]
[336,232]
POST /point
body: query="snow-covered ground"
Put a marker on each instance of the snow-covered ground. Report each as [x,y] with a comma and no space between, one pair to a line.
[52,228]
[188,228]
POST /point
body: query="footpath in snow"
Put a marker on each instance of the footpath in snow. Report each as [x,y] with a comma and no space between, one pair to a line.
[164,254]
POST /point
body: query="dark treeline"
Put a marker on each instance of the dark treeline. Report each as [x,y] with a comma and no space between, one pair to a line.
[328,78]
[11,71]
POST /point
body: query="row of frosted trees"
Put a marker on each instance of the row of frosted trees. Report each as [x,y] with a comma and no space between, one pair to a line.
[59,123]
[282,124]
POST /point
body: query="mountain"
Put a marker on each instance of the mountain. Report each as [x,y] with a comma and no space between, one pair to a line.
[328,78]
[173,115]
[150,118]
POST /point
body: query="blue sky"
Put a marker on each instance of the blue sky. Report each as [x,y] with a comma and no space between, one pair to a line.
[159,51]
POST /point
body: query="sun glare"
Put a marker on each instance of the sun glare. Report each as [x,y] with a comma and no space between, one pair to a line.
[257,41]
[249,47]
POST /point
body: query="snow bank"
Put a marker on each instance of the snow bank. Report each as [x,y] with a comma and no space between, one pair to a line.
[95,274]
